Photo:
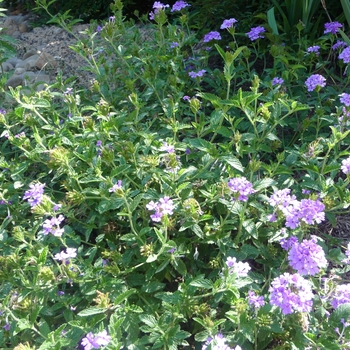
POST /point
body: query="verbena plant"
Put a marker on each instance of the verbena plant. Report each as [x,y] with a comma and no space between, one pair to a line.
[185,199]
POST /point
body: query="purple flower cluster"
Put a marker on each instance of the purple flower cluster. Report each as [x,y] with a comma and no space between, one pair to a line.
[255,300]
[35,194]
[212,36]
[345,166]
[228,23]
[237,267]
[287,243]
[197,74]
[345,99]
[179,5]
[157,6]
[70,253]
[341,295]
[314,49]
[291,293]
[256,33]
[345,55]
[242,187]
[218,343]
[174,44]
[277,81]
[315,80]
[95,341]
[117,186]
[307,257]
[167,148]
[332,27]
[294,211]
[164,206]
[339,44]
[53,226]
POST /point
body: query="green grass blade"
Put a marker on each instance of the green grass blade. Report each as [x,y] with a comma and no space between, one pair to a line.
[346,8]
[272,20]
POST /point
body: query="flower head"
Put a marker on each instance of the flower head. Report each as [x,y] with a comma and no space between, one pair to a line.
[212,36]
[255,300]
[117,186]
[332,27]
[291,293]
[179,5]
[314,49]
[277,81]
[164,206]
[53,226]
[341,295]
[345,99]
[237,267]
[339,44]
[287,243]
[256,33]
[307,257]
[70,253]
[217,343]
[197,74]
[242,187]
[95,341]
[157,6]
[228,23]
[174,44]
[345,166]
[314,81]
[345,55]
[34,194]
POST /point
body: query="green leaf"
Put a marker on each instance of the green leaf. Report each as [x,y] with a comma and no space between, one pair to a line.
[149,320]
[346,8]
[110,204]
[263,183]
[272,20]
[92,311]
[234,162]
[43,255]
[124,295]
[201,282]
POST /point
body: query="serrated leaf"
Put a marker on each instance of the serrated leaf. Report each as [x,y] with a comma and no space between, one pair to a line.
[201,282]
[92,311]
[149,320]
[263,183]
[122,296]
[233,161]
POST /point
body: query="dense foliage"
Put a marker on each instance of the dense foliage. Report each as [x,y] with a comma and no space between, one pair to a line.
[193,195]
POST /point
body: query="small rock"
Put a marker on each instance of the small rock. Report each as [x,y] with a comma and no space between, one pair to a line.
[28,63]
[30,53]
[14,81]
[19,71]
[45,60]
[6,67]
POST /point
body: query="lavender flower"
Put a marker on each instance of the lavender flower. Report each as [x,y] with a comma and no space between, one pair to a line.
[242,187]
[314,81]
[69,91]
[287,243]
[95,341]
[217,343]
[163,207]
[314,49]
[345,166]
[255,300]
[197,74]
[332,27]
[237,267]
[7,327]
[339,44]
[174,44]
[256,33]
[167,148]
[345,55]
[157,6]
[277,81]
[179,5]
[341,295]
[281,198]
[212,36]
[228,23]
[35,194]
[291,293]
[186,98]
[53,226]
[117,186]
[65,256]
[307,257]
[345,99]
